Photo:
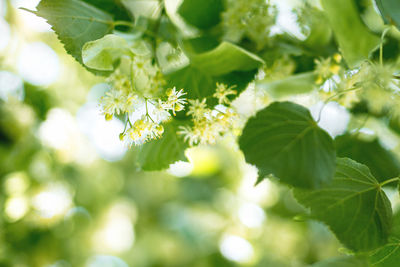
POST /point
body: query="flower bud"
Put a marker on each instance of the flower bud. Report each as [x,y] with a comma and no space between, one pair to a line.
[108,116]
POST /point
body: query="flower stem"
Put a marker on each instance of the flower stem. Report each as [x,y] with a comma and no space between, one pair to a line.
[390,181]
[332,97]
[147,111]
[123,23]
[381,45]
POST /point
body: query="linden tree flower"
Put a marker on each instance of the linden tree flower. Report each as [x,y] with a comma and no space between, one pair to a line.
[197,108]
[209,124]
[117,102]
[222,93]
[142,131]
[138,98]
[175,102]
[326,68]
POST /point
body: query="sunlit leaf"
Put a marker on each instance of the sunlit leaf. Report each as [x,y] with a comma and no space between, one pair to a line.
[75,23]
[356,42]
[295,84]
[284,140]
[319,32]
[145,8]
[224,59]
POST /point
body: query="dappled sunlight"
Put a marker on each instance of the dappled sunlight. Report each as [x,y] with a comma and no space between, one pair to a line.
[236,249]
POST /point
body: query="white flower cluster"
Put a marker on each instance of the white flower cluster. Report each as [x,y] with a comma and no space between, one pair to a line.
[210,124]
[373,83]
[149,116]
[137,97]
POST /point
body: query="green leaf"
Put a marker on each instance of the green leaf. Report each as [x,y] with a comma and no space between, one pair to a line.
[344,261]
[202,14]
[354,206]
[390,11]
[382,163]
[113,7]
[159,154]
[200,44]
[284,140]
[225,58]
[355,40]
[389,255]
[75,23]
[295,84]
[198,84]
[320,34]
[239,79]
[103,53]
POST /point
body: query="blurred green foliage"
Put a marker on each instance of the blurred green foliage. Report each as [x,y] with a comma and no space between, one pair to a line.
[66,202]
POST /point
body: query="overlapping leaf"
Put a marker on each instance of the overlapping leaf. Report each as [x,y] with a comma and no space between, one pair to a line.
[284,140]
[75,23]
[354,206]
[381,162]
[199,84]
[103,53]
[389,255]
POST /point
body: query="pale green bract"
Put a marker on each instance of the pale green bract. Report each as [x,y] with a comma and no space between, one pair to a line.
[144,8]
[356,42]
[296,84]
[225,58]
[103,53]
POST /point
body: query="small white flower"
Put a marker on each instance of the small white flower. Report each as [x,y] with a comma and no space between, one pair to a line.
[175,101]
